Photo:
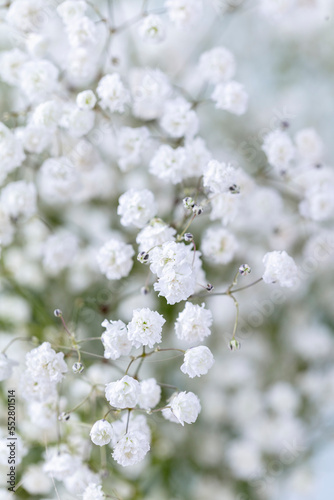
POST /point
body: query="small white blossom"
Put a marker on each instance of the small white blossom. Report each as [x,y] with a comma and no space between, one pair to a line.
[44,363]
[136,207]
[198,156]
[193,323]
[123,393]
[152,29]
[145,327]
[24,15]
[279,150]
[38,79]
[179,119]
[58,179]
[136,423]
[309,145]
[149,88]
[184,12]
[18,199]
[115,339]
[150,393]
[154,234]
[77,121]
[101,433]
[219,245]
[60,465]
[197,361]
[11,152]
[81,32]
[71,10]
[93,492]
[186,407]
[131,448]
[281,268]
[112,93]
[6,366]
[168,164]
[231,96]
[86,99]
[59,252]
[219,177]
[318,204]
[131,144]
[115,259]
[11,62]
[47,115]
[35,139]
[217,65]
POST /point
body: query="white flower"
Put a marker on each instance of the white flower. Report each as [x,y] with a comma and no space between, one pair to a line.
[193,323]
[115,259]
[115,339]
[6,366]
[150,393]
[281,268]
[60,465]
[179,119]
[149,88]
[154,234]
[279,149]
[58,180]
[309,145]
[35,482]
[81,32]
[219,177]
[71,10]
[217,65]
[59,252]
[38,79]
[186,407]
[25,15]
[112,93]
[77,121]
[18,199]
[86,99]
[77,483]
[231,96]
[43,363]
[152,29]
[131,143]
[11,62]
[198,157]
[219,245]
[184,12]
[131,448]
[225,206]
[11,152]
[123,393]
[37,44]
[93,492]
[47,115]
[136,207]
[34,139]
[318,204]
[135,424]
[101,433]
[6,229]
[37,389]
[168,164]
[145,327]
[197,361]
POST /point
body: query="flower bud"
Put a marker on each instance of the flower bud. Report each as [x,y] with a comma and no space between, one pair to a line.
[209,287]
[144,290]
[197,209]
[58,313]
[78,367]
[143,257]
[234,345]
[244,269]
[188,203]
[234,189]
[64,416]
[188,237]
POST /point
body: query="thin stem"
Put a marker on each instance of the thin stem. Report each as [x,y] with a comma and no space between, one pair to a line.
[127,422]
[236,317]
[187,226]
[168,386]
[234,282]
[88,339]
[14,340]
[170,349]
[103,455]
[247,286]
[130,364]
[140,363]
[83,401]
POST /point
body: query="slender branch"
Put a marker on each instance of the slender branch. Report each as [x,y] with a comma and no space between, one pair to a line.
[247,286]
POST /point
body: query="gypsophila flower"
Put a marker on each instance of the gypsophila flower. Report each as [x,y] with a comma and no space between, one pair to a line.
[152,29]
[6,366]
[217,65]
[244,269]
[197,361]
[77,368]
[44,363]
[137,423]
[81,32]
[136,207]
[58,180]
[154,234]
[219,245]
[131,449]
[280,268]
[124,393]
[60,465]
[112,93]
[186,407]
[184,12]
[318,204]
[115,339]
[231,96]
[150,393]
[35,139]
[11,62]
[93,492]
[18,199]
[131,143]
[24,15]
[71,10]
[193,323]
[38,79]
[179,119]
[115,259]
[234,345]
[309,145]
[168,164]
[219,177]
[101,433]
[145,327]
[47,115]
[11,152]
[86,99]
[149,89]
[59,252]
[279,149]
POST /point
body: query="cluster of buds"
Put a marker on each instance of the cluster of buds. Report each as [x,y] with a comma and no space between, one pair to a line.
[143,257]
[190,204]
